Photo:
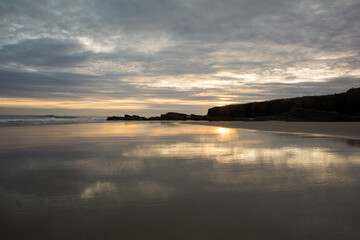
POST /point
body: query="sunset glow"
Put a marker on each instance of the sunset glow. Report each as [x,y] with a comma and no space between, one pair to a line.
[184,56]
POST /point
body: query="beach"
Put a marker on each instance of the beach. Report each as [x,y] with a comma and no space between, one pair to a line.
[179,120]
[349,130]
[168,180]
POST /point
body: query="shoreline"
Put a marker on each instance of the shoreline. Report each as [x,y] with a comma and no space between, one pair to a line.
[350,130]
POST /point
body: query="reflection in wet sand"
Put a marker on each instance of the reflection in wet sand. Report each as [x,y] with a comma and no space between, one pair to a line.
[171,181]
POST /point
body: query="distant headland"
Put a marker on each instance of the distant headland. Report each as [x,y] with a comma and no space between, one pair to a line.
[167,116]
[327,108]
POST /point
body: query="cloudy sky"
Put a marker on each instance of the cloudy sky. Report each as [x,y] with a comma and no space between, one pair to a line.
[111,57]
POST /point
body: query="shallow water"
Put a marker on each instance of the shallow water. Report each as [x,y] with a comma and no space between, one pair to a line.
[174,181]
[28,120]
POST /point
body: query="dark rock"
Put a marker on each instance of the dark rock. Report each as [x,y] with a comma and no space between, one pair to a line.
[335,107]
[154,118]
[127,118]
[114,118]
[198,117]
[134,118]
[174,116]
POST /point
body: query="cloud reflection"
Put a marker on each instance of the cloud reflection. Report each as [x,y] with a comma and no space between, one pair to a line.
[99,188]
[120,177]
[121,160]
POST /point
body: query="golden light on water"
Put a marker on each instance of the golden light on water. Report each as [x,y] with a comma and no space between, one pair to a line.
[219,146]
[223,130]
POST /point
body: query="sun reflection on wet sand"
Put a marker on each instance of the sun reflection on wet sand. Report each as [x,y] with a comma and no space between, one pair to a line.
[118,171]
[225,134]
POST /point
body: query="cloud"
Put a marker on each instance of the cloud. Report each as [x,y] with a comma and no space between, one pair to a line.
[178,49]
[46,52]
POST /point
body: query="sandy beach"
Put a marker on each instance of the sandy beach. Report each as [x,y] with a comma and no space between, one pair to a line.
[168,180]
[337,129]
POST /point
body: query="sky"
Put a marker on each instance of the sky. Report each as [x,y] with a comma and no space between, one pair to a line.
[146,57]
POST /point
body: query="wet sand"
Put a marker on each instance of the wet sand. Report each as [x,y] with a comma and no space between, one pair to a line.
[337,129]
[164,180]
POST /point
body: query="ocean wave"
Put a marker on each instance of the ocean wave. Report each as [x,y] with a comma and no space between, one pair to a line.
[20,120]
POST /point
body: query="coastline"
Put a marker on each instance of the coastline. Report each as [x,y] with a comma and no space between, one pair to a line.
[350,130]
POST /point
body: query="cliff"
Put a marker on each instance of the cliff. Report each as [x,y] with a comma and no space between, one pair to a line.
[336,107]
[170,116]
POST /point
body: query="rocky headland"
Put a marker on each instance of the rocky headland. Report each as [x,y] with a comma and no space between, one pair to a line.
[170,116]
[327,108]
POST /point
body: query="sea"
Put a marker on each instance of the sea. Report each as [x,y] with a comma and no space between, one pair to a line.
[21,120]
[86,178]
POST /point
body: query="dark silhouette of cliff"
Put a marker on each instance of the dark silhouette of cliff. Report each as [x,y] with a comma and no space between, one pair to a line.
[167,117]
[336,107]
